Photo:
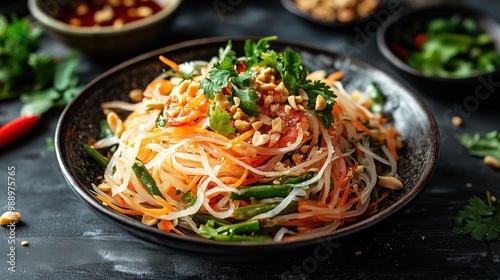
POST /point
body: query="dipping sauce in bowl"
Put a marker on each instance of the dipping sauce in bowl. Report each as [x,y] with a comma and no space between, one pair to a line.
[109,29]
[116,13]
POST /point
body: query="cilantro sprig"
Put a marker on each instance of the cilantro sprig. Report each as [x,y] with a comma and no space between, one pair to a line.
[219,121]
[224,74]
[40,81]
[288,63]
[481,146]
[480,219]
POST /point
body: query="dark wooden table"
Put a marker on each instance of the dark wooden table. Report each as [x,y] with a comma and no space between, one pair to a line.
[67,241]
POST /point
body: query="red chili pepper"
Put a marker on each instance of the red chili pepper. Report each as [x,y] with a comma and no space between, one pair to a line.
[16,129]
[400,51]
[420,40]
[241,67]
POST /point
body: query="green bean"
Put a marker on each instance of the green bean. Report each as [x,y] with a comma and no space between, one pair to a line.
[145,178]
[239,228]
[258,192]
[95,155]
[376,95]
[201,218]
[262,191]
[242,238]
[253,210]
[230,232]
[139,169]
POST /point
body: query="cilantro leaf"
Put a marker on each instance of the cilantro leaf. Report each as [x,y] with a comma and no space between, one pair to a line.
[220,121]
[38,102]
[377,97]
[253,50]
[313,90]
[479,219]
[188,199]
[65,73]
[294,76]
[243,79]
[248,100]
[290,69]
[227,52]
[479,146]
[160,121]
[218,79]
[43,68]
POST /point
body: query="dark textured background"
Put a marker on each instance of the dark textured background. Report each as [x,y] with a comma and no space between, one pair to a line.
[68,241]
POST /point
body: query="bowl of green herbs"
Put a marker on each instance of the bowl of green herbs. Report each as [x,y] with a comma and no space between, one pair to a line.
[450,43]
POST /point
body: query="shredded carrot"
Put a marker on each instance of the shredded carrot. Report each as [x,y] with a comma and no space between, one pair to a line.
[118,209]
[164,87]
[243,137]
[335,76]
[165,225]
[240,181]
[167,206]
[309,225]
[383,196]
[169,63]
[194,181]
[151,211]
[345,196]
[171,192]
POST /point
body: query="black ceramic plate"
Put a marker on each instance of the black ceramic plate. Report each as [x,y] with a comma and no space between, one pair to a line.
[292,8]
[80,120]
[386,35]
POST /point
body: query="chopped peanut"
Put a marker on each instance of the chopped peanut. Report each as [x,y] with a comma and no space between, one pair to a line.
[144,11]
[268,101]
[135,95]
[106,14]
[10,217]
[257,125]
[118,23]
[237,101]
[265,119]
[303,94]
[82,9]
[242,125]
[492,161]
[360,169]
[104,187]
[456,121]
[291,101]
[115,124]
[149,220]
[390,182]
[259,139]
[320,103]
[277,125]
[75,22]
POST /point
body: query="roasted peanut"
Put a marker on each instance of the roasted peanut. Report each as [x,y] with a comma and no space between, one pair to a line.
[390,182]
[10,217]
[115,124]
[492,161]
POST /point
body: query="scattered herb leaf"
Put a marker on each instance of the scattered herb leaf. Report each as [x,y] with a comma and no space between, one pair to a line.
[480,219]
[220,121]
[479,146]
